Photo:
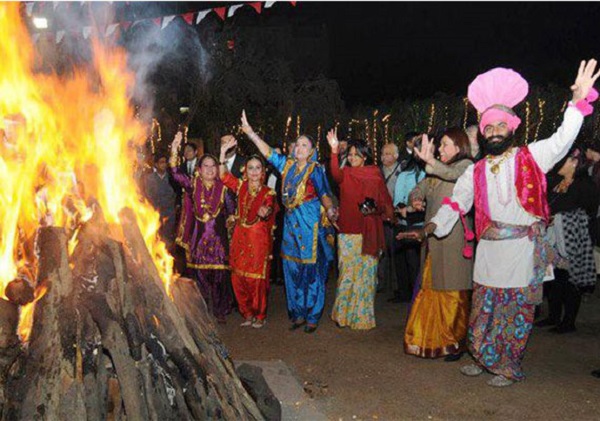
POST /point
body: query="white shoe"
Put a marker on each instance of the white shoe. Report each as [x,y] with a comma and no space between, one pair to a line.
[258,324]
[247,323]
[471,370]
[499,381]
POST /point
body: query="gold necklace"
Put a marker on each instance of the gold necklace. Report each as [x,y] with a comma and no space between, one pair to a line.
[495,166]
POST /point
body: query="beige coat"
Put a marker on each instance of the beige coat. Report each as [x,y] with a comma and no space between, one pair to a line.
[449,269]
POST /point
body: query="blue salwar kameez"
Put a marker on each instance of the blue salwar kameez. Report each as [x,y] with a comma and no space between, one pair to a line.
[307,246]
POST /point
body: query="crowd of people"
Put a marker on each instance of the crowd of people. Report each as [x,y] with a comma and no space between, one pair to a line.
[528,227]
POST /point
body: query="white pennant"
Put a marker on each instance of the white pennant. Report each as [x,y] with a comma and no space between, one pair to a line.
[35,38]
[167,20]
[201,15]
[29,8]
[59,36]
[54,5]
[232,10]
[268,4]
[87,31]
[111,29]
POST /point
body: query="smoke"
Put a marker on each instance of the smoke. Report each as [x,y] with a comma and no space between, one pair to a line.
[168,63]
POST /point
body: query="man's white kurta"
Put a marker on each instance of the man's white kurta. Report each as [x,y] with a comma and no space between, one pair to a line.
[507,263]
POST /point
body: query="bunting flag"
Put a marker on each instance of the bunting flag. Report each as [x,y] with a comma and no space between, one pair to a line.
[202,15]
[257,5]
[87,31]
[188,17]
[29,8]
[59,36]
[167,20]
[162,22]
[233,9]
[220,11]
[110,29]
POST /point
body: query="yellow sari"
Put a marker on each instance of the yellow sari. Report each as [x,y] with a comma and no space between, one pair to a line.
[438,321]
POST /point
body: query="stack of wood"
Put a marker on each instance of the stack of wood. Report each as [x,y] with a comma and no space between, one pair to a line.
[108,343]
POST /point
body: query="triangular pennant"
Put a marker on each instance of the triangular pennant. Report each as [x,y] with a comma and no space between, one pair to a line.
[293,3]
[268,4]
[86,31]
[54,5]
[167,20]
[29,8]
[35,38]
[126,25]
[111,29]
[157,21]
[257,5]
[59,36]
[188,17]
[220,11]
[232,10]
[201,15]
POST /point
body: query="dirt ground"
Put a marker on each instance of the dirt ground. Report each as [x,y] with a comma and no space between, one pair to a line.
[367,375]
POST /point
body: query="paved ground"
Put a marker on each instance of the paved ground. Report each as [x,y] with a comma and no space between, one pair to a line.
[366,375]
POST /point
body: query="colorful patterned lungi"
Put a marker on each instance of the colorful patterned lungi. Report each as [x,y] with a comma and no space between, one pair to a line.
[499,327]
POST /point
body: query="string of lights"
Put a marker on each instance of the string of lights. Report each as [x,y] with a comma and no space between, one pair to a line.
[527,113]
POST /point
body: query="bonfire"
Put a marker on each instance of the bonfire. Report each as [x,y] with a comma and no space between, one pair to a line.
[94,324]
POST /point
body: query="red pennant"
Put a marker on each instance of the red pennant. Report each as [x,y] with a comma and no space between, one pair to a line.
[126,25]
[256,6]
[157,21]
[188,17]
[220,11]
[293,3]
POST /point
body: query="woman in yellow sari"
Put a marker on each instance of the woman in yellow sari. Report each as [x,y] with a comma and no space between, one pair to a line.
[439,314]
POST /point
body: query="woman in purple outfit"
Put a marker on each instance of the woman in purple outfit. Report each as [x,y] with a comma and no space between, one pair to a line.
[202,229]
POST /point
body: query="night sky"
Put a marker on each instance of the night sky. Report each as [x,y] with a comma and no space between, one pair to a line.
[380,51]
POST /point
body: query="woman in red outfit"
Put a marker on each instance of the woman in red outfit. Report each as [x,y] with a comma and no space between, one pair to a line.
[361,236]
[252,241]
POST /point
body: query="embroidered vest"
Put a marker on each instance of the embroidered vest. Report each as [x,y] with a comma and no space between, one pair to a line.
[530,183]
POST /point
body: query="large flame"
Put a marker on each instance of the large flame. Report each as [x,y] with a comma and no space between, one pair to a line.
[68,140]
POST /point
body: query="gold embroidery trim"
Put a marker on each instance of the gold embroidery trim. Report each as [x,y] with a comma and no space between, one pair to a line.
[313,258]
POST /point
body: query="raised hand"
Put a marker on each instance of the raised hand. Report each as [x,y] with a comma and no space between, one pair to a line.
[585,80]
[333,141]
[246,128]
[425,153]
[226,145]
[176,141]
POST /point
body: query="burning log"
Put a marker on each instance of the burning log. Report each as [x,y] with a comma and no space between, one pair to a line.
[20,291]
[108,343]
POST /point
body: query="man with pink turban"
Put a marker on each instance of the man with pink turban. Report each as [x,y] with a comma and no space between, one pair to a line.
[508,190]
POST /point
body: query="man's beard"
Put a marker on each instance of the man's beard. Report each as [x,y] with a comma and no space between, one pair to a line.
[494,148]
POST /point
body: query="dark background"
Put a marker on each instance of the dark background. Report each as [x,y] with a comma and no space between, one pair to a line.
[378,51]
[324,64]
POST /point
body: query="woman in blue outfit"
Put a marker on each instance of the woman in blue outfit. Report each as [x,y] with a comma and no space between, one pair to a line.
[307,246]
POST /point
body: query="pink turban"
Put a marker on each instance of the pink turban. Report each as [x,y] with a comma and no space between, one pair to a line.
[494,93]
